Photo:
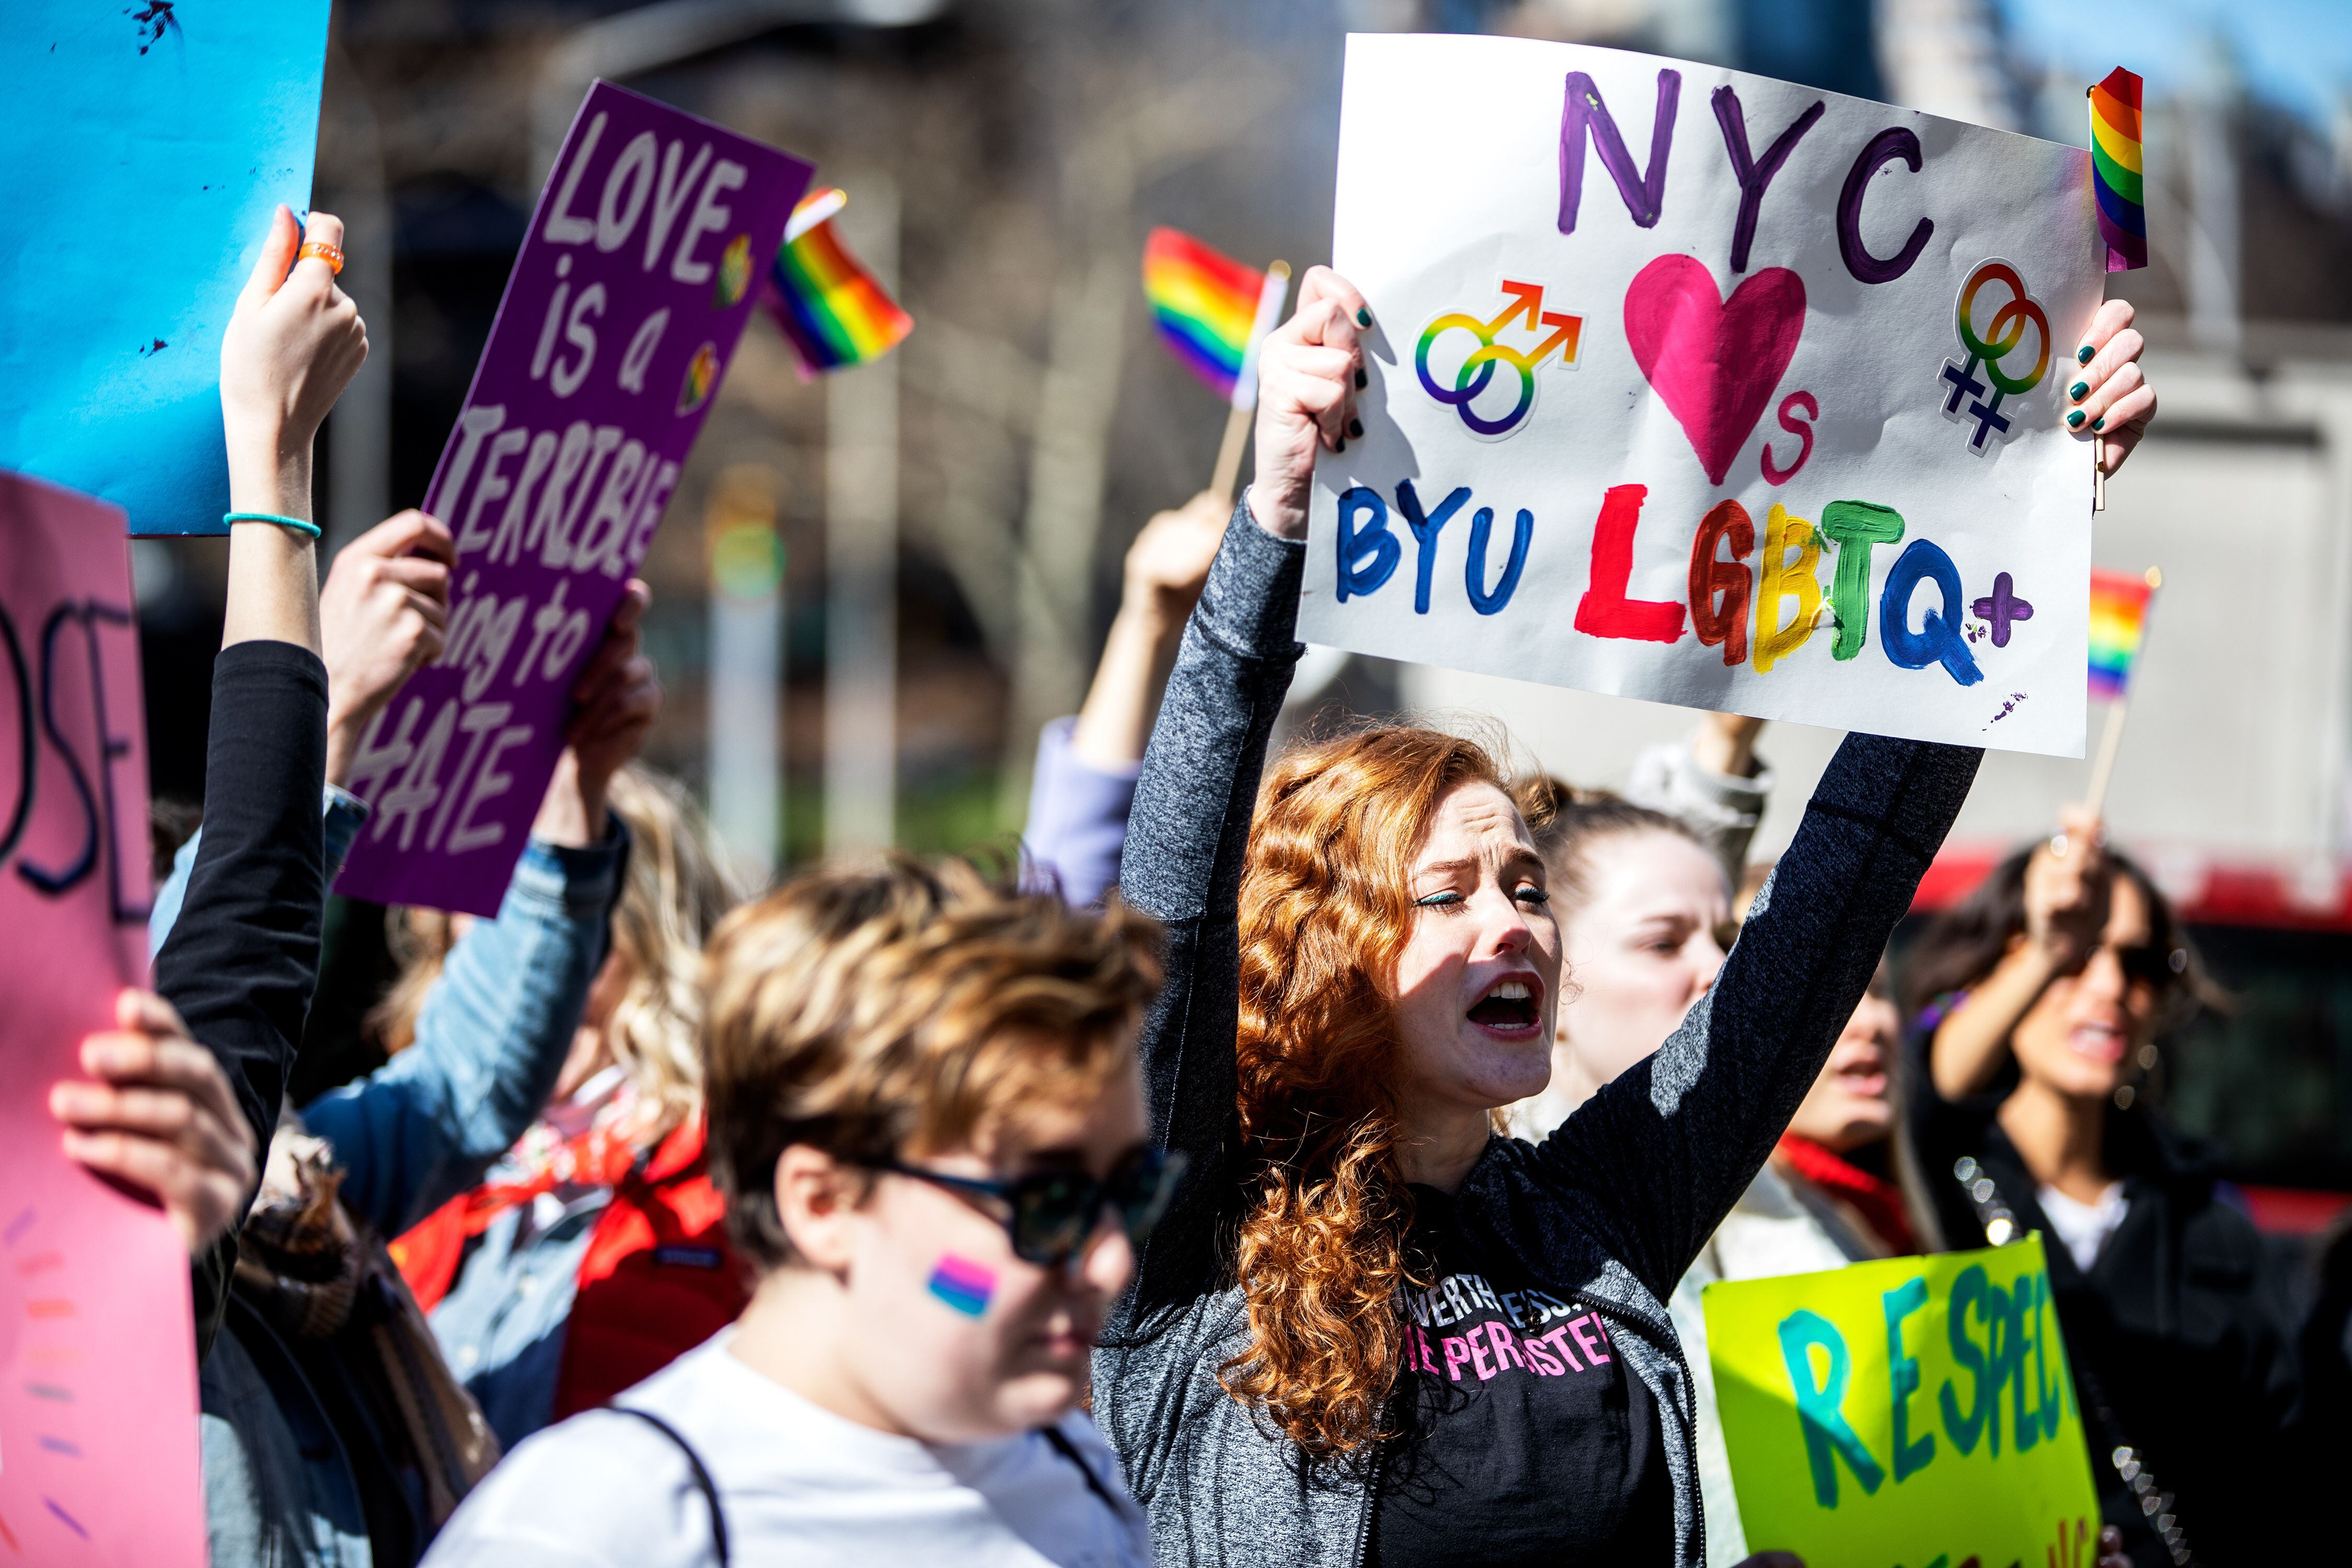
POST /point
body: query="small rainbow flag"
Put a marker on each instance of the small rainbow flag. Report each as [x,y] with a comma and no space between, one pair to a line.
[2119,603]
[1211,310]
[2115,169]
[830,307]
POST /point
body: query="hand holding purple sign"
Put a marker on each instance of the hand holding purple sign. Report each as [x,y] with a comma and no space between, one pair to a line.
[632,288]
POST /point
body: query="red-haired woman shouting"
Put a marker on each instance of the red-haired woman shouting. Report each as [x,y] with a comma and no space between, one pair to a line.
[1373,1331]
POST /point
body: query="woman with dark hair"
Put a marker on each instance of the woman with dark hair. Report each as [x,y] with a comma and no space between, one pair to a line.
[2039,1001]
[1371,1330]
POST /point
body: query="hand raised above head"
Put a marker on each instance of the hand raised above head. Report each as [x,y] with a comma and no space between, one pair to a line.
[2066,888]
[1309,371]
[1169,562]
[2116,402]
[382,614]
[292,345]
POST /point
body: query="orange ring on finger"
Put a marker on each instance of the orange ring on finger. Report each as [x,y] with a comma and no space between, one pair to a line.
[330,254]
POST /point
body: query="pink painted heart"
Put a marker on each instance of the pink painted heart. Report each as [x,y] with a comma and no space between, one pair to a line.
[1714,362]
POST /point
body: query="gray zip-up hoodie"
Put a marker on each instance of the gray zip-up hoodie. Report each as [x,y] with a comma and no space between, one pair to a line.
[1609,1211]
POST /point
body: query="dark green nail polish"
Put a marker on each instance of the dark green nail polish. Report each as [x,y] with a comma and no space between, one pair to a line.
[2083,355]
[1363,317]
[1355,427]
[2074,420]
[1340,444]
[2077,390]
[1363,380]
[2100,423]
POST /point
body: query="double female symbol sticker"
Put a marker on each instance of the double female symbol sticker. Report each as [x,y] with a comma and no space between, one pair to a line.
[1476,371]
[1996,354]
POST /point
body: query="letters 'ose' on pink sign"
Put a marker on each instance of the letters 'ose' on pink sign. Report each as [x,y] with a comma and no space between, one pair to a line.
[97,1365]
[633,285]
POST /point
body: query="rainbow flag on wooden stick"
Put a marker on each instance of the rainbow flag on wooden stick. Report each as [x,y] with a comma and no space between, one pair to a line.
[2119,603]
[830,307]
[2116,165]
[1211,310]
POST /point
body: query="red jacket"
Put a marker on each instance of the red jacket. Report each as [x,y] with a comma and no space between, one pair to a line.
[658,1277]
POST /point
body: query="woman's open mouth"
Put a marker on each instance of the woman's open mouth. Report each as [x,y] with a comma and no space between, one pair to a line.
[1512,1008]
[2102,1042]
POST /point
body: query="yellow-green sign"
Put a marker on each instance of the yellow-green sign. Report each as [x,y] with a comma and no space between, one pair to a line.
[1916,1413]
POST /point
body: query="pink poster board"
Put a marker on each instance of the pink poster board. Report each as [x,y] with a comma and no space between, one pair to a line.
[637,276]
[97,1376]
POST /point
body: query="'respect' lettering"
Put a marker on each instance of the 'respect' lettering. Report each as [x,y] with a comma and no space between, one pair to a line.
[1903,1378]
[1820,1401]
[1991,1334]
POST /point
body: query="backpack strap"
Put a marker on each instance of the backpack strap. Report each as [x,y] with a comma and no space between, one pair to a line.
[702,1481]
[1069,1450]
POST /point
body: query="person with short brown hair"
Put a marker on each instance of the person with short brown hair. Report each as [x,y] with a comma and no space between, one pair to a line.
[927,1118]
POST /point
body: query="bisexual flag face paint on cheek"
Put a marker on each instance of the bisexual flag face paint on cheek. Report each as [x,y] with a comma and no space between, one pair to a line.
[963,1285]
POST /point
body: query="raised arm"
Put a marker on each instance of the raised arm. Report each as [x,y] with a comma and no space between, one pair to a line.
[499,1022]
[240,964]
[381,615]
[2066,888]
[1189,830]
[1713,782]
[1087,767]
[1661,1153]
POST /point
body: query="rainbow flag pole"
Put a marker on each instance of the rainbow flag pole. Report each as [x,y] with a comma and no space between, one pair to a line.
[2119,606]
[2118,192]
[1270,300]
[1213,313]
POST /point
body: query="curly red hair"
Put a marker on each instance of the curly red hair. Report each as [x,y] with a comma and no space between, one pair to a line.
[1326,909]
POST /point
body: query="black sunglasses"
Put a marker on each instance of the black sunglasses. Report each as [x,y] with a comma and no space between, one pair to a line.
[2143,963]
[1050,1216]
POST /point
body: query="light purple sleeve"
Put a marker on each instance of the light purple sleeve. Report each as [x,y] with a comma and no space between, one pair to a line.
[1078,820]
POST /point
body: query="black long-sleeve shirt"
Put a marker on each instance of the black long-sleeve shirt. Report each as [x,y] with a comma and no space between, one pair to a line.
[242,961]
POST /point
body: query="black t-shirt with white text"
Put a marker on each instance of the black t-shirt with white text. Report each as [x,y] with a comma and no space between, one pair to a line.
[1524,1439]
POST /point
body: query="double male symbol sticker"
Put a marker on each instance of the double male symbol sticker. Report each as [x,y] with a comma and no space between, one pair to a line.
[1476,371]
[1996,353]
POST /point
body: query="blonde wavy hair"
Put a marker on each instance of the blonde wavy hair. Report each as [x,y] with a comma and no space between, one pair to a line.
[899,1010]
[1325,912]
[676,891]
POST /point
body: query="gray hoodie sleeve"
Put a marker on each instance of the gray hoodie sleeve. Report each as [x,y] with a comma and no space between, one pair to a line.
[1186,837]
[1659,1155]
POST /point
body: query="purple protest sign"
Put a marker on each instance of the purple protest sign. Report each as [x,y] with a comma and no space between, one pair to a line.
[633,285]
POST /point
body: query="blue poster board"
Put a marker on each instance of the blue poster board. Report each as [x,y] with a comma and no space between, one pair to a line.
[144,147]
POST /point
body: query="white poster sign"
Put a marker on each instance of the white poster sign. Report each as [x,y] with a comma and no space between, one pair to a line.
[1709,389]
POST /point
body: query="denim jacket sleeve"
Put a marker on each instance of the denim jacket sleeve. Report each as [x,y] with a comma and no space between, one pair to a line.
[492,1036]
[344,814]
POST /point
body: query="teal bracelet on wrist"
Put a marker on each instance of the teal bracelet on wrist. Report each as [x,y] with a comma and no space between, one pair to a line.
[308,530]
